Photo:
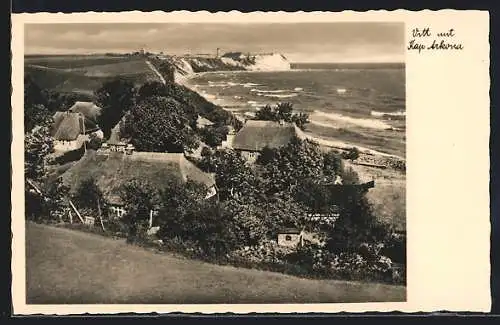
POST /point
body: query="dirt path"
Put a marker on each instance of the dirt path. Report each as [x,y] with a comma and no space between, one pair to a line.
[152,67]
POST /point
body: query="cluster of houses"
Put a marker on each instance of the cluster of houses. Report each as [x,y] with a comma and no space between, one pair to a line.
[117,160]
[73,128]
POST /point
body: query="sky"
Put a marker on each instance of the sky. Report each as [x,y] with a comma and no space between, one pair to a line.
[299,42]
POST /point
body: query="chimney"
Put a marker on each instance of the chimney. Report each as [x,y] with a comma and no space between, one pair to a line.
[228,143]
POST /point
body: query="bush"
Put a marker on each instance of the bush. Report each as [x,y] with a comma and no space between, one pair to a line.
[266,252]
[213,136]
[353,266]
[352,154]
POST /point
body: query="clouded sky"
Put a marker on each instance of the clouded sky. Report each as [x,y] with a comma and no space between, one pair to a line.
[300,42]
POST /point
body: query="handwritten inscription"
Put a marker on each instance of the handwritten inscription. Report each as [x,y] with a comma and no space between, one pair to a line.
[423,39]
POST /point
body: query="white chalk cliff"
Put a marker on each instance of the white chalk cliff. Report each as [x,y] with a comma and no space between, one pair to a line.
[269,62]
[187,65]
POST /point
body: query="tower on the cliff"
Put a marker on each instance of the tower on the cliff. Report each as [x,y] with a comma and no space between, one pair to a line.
[217,53]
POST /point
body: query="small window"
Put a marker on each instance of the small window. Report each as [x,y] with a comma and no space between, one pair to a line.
[288,238]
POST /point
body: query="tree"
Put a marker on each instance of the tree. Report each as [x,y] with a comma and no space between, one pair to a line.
[178,202]
[213,135]
[267,155]
[186,214]
[235,179]
[282,210]
[352,154]
[115,97]
[89,195]
[37,149]
[284,112]
[35,114]
[357,225]
[314,195]
[94,142]
[333,164]
[266,113]
[291,164]
[300,119]
[159,124]
[55,199]
[140,198]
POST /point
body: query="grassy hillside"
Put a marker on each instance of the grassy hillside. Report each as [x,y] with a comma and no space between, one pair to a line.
[71,267]
[84,74]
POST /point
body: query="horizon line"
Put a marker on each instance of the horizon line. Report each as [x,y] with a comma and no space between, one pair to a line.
[131,52]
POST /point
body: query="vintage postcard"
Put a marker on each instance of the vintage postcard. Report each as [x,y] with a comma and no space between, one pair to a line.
[250,162]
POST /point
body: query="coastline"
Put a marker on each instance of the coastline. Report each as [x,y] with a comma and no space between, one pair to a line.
[389,194]
[327,143]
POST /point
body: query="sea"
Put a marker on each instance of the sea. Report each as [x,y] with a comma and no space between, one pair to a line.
[362,105]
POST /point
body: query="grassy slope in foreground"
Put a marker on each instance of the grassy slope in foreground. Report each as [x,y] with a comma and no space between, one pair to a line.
[70,267]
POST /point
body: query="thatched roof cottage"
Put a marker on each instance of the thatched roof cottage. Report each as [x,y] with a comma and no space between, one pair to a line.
[114,169]
[255,135]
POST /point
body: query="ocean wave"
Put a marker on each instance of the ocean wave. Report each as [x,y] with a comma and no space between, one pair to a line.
[362,122]
[222,84]
[279,96]
[341,90]
[382,114]
[249,84]
[254,90]
[298,89]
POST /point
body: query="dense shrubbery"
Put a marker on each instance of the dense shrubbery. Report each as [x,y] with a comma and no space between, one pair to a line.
[195,104]
[159,124]
[213,135]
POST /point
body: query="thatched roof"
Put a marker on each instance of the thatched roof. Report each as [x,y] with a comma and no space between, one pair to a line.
[290,230]
[113,170]
[88,109]
[115,137]
[255,135]
[67,126]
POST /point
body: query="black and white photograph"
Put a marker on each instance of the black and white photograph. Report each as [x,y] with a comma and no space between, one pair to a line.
[215,163]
